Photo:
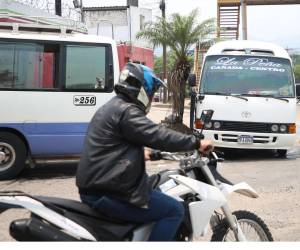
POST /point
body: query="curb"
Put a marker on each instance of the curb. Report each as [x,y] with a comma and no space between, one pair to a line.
[162,105]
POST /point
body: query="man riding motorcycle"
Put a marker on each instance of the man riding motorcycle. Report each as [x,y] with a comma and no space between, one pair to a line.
[111,175]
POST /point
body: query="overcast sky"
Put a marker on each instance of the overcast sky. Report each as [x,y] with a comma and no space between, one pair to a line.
[277,24]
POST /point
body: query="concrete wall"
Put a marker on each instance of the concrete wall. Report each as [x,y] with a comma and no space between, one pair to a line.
[126,23]
[136,25]
[108,22]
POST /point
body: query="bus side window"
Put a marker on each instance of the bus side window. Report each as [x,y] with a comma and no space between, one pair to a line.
[6,65]
[87,68]
[28,66]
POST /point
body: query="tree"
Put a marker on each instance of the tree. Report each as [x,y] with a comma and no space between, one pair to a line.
[297,72]
[179,33]
[296,62]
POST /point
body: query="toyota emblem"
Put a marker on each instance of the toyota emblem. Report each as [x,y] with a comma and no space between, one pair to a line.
[246,114]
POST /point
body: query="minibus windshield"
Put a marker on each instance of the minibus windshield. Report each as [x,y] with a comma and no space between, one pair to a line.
[247,75]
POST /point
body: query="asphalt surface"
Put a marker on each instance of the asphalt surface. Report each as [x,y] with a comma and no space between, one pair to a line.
[275,179]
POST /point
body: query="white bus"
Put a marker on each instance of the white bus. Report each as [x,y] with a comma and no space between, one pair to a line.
[51,84]
[251,88]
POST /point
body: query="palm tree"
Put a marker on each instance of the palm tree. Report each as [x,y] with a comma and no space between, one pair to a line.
[180,33]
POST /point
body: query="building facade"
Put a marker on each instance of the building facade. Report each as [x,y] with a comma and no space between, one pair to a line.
[121,22]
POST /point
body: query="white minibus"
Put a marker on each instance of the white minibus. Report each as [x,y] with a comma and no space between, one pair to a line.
[251,88]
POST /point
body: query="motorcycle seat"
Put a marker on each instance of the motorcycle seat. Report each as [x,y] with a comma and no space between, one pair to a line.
[102,227]
[76,207]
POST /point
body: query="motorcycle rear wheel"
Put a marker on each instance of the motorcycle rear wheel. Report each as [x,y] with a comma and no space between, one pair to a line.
[253,227]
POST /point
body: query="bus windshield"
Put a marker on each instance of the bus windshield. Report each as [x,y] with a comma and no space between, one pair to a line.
[247,75]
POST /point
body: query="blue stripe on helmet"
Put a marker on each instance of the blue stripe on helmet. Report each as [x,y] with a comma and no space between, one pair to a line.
[151,81]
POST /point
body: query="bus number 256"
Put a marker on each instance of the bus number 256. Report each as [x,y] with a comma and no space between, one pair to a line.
[87,100]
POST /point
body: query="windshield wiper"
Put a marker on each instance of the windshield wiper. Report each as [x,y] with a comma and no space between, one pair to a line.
[270,96]
[239,96]
[212,93]
[278,98]
[226,94]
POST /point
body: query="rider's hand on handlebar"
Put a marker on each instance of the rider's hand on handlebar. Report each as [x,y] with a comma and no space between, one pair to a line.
[206,146]
[152,155]
[147,154]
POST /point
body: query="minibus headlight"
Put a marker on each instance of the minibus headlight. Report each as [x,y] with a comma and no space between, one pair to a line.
[274,128]
[208,125]
[283,128]
[217,125]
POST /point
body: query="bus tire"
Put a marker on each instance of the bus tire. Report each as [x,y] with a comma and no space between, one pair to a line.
[13,155]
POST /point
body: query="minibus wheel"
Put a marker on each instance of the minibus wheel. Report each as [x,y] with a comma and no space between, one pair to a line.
[13,154]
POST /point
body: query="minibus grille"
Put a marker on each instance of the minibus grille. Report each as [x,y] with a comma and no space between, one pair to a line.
[245,127]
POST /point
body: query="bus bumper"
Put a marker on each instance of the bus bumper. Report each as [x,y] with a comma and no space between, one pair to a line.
[229,139]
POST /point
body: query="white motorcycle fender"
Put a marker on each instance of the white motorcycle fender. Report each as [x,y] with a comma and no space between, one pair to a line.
[242,188]
[200,211]
[39,209]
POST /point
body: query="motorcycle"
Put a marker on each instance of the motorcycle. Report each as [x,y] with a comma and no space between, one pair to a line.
[197,184]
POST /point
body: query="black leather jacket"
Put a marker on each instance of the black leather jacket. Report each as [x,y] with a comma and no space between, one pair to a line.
[113,162]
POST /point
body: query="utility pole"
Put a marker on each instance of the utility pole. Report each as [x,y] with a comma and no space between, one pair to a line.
[82,12]
[162,6]
[58,7]
[244,19]
[79,5]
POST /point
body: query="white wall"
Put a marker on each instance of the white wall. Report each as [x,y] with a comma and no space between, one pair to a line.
[126,23]
[135,14]
[95,20]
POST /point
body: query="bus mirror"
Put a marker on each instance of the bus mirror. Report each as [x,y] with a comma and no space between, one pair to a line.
[192,80]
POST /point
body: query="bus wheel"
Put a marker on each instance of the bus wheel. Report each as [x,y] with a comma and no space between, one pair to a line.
[13,154]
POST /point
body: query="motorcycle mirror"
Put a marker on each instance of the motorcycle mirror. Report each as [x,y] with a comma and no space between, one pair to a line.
[205,118]
[201,97]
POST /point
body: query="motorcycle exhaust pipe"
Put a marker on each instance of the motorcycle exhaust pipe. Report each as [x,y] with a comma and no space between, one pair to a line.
[33,229]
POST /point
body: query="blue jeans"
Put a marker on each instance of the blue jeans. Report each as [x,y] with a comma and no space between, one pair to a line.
[166,211]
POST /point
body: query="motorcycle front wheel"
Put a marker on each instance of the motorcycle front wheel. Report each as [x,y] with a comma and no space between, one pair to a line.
[253,227]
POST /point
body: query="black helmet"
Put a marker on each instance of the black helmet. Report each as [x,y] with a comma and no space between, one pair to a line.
[139,83]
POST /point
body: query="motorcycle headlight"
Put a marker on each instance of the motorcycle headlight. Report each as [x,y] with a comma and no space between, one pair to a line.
[208,125]
[274,128]
[283,128]
[217,125]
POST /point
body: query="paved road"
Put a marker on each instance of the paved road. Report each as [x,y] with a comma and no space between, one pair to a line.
[276,180]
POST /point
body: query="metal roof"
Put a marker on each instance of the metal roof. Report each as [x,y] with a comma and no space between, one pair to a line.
[105,8]
[105,3]
[74,37]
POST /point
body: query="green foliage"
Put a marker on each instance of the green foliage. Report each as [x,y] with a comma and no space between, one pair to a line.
[179,33]
[171,62]
[297,72]
[296,62]
[295,59]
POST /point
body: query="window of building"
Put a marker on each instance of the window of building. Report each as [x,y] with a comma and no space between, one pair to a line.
[142,22]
